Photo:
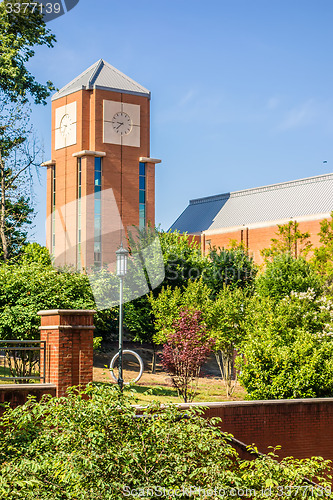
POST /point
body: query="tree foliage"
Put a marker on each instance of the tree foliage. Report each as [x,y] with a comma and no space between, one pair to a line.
[21,31]
[185,351]
[225,320]
[94,447]
[33,252]
[288,349]
[290,241]
[182,258]
[286,274]
[169,303]
[323,255]
[229,266]
[27,288]
[19,155]
[184,265]
[222,315]
[182,261]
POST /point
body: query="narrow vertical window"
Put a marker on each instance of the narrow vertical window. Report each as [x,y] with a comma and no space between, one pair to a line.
[98,213]
[142,195]
[53,208]
[79,214]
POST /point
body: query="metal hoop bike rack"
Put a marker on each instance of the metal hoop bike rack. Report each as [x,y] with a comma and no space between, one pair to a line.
[114,359]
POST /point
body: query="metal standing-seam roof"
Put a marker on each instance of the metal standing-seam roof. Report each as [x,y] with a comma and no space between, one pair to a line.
[200,214]
[102,75]
[287,200]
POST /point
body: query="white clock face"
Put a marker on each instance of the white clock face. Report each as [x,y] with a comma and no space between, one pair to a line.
[66,125]
[122,123]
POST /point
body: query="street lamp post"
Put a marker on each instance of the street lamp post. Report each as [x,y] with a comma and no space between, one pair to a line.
[122,256]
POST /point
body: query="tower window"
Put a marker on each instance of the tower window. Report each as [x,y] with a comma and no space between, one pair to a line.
[142,195]
[79,213]
[53,208]
[98,213]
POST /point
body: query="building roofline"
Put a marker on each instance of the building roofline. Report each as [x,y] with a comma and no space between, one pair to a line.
[91,85]
[97,87]
[261,189]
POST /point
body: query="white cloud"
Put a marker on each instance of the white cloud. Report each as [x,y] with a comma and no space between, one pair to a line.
[187,97]
[273,103]
[300,116]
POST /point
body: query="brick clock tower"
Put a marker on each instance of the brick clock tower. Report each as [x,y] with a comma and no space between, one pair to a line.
[101,179]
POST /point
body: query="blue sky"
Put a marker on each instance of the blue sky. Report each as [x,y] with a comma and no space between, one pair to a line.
[242,91]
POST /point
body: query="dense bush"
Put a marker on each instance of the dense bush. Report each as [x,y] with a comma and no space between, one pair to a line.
[286,274]
[288,349]
[168,304]
[78,448]
[231,267]
[29,286]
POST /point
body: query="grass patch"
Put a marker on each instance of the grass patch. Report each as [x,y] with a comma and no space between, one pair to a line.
[160,390]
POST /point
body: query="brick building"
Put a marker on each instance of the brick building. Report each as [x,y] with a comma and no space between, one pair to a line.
[101,179]
[251,216]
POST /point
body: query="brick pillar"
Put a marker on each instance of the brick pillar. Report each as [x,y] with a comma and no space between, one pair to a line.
[69,347]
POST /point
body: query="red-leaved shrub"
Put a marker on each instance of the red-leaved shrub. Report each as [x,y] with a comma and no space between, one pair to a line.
[186,351]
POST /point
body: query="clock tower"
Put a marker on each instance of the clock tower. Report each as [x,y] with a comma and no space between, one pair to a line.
[101,179]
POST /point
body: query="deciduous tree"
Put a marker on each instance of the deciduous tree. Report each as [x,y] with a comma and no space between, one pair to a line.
[231,267]
[288,348]
[290,240]
[225,318]
[22,28]
[323,255]
[19,154]
[286,274]
[185,351]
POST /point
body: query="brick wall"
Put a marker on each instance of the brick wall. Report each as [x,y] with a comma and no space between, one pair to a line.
[17,394]
[303,427]
[256,239]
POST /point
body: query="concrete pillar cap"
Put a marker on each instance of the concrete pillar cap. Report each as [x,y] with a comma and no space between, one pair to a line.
[67,312]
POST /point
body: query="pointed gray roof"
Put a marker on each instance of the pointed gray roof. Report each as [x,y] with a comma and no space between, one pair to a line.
[102,75]
[287,200]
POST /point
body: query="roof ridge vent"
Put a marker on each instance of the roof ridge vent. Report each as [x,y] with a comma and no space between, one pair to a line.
[282,185]
[95,74]
[208,199]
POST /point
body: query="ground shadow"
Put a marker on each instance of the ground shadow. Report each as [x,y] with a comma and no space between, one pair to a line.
[141,389]
[155,391]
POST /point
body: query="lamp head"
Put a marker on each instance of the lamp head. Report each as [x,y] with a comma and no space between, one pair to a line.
[122,256]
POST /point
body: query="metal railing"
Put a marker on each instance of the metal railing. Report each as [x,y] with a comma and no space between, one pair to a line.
[20,360]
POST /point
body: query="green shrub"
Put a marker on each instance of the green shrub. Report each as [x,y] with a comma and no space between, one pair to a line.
[287,274]
[289,346]
[29,287]
[78,448]
[230,267]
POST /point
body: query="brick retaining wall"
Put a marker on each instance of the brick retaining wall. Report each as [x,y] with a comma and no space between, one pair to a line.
[303,427]
[17,394]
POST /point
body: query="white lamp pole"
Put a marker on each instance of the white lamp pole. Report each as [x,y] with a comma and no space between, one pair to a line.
[122,256]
